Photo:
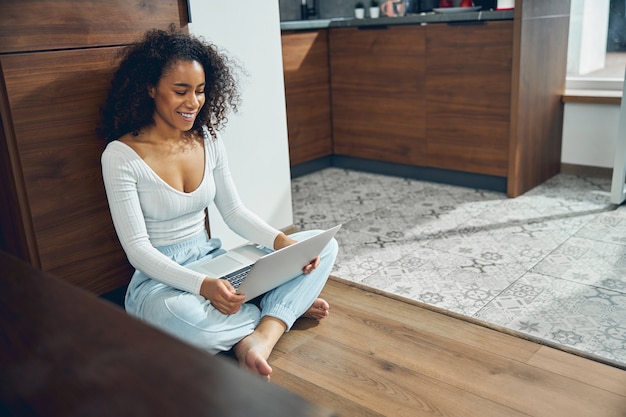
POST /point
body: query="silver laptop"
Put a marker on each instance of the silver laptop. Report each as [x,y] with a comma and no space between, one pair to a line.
[253,270]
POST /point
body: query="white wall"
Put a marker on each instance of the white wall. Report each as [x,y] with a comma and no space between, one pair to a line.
[256,136]
[589,134]
[589,130]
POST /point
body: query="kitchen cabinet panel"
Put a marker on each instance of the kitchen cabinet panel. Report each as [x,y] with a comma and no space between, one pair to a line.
[538,85]
[54,149]
[377,83]
[56,61]
[307,95]
[39,25]
[468,91]
[475,96]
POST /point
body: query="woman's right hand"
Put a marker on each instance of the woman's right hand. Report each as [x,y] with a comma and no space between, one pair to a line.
[222,295]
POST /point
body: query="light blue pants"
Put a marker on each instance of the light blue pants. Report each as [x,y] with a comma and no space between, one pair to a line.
[192,318]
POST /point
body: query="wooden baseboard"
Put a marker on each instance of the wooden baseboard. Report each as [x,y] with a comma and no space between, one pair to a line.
[587,171]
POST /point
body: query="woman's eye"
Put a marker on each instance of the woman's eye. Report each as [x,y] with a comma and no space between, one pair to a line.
[180,93]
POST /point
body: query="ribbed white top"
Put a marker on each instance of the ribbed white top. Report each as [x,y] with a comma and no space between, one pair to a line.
[147,212]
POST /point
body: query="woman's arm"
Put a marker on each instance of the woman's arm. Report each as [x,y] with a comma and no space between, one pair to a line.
[121,175]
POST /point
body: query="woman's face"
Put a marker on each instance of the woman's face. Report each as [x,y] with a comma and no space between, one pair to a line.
[179,95]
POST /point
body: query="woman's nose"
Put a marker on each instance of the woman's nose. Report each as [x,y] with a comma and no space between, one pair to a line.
[193,100]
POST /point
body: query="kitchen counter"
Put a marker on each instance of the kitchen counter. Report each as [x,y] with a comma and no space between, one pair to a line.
[410,19]
[449,102]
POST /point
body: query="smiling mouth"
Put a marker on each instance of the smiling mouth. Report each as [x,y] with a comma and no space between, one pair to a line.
[187,115]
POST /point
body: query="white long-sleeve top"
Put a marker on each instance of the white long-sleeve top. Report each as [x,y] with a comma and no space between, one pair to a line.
[147,212]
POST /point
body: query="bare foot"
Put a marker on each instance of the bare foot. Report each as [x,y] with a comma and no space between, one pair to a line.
[252,355]
[318,310]
[253,350]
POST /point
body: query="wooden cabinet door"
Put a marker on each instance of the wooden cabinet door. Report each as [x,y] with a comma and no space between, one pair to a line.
[377,92]
[307,94]
[41,25]
[468,91]
[50,110]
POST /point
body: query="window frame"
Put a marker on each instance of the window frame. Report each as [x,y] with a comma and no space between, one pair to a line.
[584,81]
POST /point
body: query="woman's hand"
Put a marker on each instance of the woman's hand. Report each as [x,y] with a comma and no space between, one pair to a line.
[308,268]
[222,295]
[282,240]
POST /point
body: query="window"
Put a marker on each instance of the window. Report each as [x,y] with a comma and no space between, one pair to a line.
[596,56]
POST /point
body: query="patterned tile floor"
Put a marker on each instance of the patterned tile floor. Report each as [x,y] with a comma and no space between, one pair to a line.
[550,264]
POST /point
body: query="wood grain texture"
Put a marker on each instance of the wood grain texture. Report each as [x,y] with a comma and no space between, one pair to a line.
[468,95]
[56,59]
[64,352]
[379,355]
[16,230]
[588,97]
[377,91]
[307,94]
[479,97]
[54,100]
[39,25]
[540,61]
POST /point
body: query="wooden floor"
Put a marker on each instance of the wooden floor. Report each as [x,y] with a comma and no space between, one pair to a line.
[381,356]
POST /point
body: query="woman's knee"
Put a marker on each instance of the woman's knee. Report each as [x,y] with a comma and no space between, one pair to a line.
[193,319]
[331,249]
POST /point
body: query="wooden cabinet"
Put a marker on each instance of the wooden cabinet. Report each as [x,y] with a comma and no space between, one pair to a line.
[468,91]
[435,96]
[479,97]
[54,78]
[537,85]
[43,25]
[377,86]
[307,94]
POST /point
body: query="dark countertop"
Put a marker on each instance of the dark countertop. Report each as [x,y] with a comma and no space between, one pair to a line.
[411,19]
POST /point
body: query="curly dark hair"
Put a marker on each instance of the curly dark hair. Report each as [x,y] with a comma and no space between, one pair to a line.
[129,108]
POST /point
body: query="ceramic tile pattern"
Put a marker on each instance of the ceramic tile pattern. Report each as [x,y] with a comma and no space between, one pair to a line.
[549,265]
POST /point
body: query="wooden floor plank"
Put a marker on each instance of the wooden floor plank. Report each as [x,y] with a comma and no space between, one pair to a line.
[394,358]
[383,386]
[323,394]
[471,334]
[603,376]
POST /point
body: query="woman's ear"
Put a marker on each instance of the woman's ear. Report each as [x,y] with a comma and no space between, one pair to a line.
[151,89]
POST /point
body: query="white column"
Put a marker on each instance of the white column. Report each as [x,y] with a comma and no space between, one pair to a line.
[256,137]
[618,192]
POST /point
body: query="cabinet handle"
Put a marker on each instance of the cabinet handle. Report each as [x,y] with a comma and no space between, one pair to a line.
[188,11]
[372,27]
[468,23]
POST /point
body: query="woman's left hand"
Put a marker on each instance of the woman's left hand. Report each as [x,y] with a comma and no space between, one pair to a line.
[308,268]
[282,240]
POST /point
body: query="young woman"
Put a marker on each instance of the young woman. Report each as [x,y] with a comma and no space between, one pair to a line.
[164,164]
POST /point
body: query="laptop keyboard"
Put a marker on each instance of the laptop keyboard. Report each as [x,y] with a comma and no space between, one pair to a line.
[237,277]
